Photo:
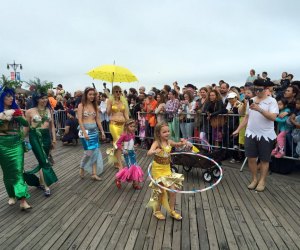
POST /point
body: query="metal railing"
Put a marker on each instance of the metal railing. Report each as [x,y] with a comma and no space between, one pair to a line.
[216,131]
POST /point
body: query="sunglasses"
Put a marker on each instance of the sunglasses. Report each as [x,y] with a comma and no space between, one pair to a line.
[259,89]
[118,91]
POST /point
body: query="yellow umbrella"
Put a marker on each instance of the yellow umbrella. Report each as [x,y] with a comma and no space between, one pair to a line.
[112,73]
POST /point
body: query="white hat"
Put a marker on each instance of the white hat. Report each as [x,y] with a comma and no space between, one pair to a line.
[152,93]
[231,95]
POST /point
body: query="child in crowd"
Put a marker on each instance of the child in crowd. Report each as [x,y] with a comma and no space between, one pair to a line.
[132,172]
[279,150]
[142,127]
[294,135]
[162,174]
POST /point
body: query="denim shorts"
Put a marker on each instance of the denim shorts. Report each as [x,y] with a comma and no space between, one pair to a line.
[261,149]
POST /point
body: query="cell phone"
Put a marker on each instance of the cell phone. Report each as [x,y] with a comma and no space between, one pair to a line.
[250,101]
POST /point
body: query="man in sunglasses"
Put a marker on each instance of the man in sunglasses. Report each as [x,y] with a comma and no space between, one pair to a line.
[261,113]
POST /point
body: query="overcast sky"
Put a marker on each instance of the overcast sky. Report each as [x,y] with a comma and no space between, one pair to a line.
[160,41]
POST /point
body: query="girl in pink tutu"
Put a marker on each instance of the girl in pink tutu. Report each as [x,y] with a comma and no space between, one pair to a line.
[131,172]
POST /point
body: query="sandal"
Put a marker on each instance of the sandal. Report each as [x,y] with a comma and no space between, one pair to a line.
[159,215]
[96,178]
[175,215]
[25,207]
[81,173]
[118,184]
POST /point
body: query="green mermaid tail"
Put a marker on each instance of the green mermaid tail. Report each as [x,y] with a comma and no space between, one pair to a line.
[12,164]
[40,141]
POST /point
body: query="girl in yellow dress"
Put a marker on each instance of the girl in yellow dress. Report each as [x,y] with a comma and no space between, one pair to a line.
[162,174]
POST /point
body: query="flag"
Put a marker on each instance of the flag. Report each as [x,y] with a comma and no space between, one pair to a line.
[18,76]
[12,76]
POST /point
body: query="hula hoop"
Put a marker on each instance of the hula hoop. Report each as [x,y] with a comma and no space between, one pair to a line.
[201,140]
[191,191]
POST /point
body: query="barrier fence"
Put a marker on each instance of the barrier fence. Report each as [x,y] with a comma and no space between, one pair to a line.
[198,128]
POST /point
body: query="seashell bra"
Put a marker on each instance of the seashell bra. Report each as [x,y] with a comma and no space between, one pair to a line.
[87,114]
[38,118]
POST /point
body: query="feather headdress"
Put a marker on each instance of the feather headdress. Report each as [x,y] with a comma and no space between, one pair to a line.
[39,89]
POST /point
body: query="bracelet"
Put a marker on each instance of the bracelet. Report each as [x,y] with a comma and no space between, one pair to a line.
[261,110]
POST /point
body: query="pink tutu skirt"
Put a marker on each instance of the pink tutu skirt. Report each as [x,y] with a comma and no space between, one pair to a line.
[134,173]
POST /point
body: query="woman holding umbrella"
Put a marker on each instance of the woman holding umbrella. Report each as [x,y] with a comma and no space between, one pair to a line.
[117,108]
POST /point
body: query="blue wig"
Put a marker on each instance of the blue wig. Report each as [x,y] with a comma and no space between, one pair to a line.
[5,92]
[35,99]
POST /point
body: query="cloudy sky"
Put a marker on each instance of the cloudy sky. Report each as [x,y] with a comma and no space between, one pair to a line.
[160,41]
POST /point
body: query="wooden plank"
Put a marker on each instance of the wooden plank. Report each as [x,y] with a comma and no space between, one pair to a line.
[228,231]
[185,224]
[82,214]
[232,220]
[223,244]
[266,201]
[193,183]
[251,215]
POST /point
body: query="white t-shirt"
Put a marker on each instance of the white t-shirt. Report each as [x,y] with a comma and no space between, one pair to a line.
[258,125]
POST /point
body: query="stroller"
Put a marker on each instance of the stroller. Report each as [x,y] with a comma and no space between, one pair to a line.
[183,157]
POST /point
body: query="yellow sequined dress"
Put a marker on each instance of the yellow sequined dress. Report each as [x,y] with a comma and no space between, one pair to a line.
[116,128]
[162,174]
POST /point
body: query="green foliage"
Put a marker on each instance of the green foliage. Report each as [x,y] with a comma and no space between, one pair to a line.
[6,83]
[39,86]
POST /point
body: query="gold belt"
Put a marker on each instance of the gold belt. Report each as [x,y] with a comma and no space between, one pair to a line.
[162,160]
[117,123]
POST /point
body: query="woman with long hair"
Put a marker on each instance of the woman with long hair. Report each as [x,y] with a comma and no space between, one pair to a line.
[200,103]
[117,109]
[160,110]
[11,148]
[213,108]
[89,123]
[40,119]
[171,108]
[187,111]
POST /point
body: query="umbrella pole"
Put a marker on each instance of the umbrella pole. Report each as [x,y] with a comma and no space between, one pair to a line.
[112,82]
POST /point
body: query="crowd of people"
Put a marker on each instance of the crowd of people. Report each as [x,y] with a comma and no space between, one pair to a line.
[246,117]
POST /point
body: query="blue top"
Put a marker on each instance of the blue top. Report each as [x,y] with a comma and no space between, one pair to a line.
[282,126]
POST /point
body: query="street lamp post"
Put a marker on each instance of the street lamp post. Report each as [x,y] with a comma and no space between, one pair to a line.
[14,66]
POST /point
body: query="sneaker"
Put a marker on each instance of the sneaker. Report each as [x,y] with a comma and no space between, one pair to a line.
[232,160]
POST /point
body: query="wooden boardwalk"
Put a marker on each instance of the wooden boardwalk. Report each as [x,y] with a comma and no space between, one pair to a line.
[83,214]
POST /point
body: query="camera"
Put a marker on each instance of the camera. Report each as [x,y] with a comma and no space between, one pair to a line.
[250,101]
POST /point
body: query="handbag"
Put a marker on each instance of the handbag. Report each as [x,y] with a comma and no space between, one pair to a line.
[217,121]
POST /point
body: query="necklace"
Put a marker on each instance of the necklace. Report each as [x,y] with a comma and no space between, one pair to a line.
[42,112]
